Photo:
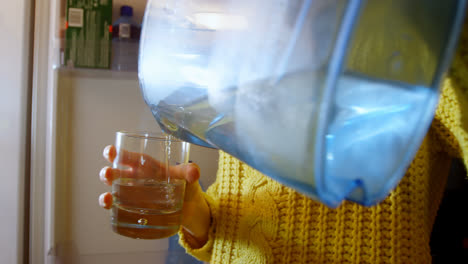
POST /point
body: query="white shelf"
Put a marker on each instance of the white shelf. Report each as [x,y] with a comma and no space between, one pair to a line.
[98,73]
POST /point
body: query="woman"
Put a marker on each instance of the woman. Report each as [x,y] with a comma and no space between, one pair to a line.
[245,217]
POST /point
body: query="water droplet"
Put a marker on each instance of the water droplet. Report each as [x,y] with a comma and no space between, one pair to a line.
[142,221]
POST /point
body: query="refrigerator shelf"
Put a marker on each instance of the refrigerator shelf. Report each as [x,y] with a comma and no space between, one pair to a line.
[118,56]
[98,73]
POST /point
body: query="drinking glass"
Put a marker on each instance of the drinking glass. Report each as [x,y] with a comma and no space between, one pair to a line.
[148,193]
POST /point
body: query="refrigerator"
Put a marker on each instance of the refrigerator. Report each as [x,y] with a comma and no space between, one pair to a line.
[15,73]
[54,123]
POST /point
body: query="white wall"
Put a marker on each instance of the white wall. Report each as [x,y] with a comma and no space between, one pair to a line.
[91,108]
[14,89]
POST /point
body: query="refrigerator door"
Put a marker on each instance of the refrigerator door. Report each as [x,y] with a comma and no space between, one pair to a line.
[15,25]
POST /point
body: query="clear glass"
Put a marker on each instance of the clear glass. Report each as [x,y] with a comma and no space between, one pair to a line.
[148,198]
[330,97]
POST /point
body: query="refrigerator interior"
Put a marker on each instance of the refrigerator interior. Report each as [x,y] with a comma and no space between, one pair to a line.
[87,107]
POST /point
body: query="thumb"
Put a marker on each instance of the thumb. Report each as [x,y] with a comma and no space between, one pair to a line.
[190,172]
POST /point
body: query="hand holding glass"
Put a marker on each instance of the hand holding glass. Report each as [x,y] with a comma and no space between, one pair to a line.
[148,184]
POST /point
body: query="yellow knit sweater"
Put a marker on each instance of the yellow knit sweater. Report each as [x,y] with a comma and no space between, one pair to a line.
[257,220]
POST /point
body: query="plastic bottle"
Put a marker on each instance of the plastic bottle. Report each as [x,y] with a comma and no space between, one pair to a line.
[125,41]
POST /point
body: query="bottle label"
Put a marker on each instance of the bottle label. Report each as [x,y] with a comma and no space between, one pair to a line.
[124,30]
[75,17]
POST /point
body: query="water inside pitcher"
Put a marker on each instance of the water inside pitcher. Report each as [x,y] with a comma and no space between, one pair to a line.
[329,97]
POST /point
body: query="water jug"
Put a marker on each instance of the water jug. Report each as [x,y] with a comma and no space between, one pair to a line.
[329,97]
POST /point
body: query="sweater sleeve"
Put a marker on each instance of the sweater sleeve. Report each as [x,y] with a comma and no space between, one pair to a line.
[203,253]
[451,120]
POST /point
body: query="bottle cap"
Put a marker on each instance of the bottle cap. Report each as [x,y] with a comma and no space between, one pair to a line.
[126,10]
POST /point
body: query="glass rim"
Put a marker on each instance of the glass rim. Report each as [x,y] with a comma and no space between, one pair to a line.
[160,136]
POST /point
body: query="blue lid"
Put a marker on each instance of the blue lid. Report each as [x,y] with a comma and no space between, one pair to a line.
[126,10]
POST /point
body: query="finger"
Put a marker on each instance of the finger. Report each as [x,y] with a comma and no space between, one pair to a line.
[146,166]
[105,200]
[193,173]
[136,159]
[149,166]
[109,153]
[192,190]
[190,172]
[107,174]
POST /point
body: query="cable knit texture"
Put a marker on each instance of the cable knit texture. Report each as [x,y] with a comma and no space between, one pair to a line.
[257,220]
